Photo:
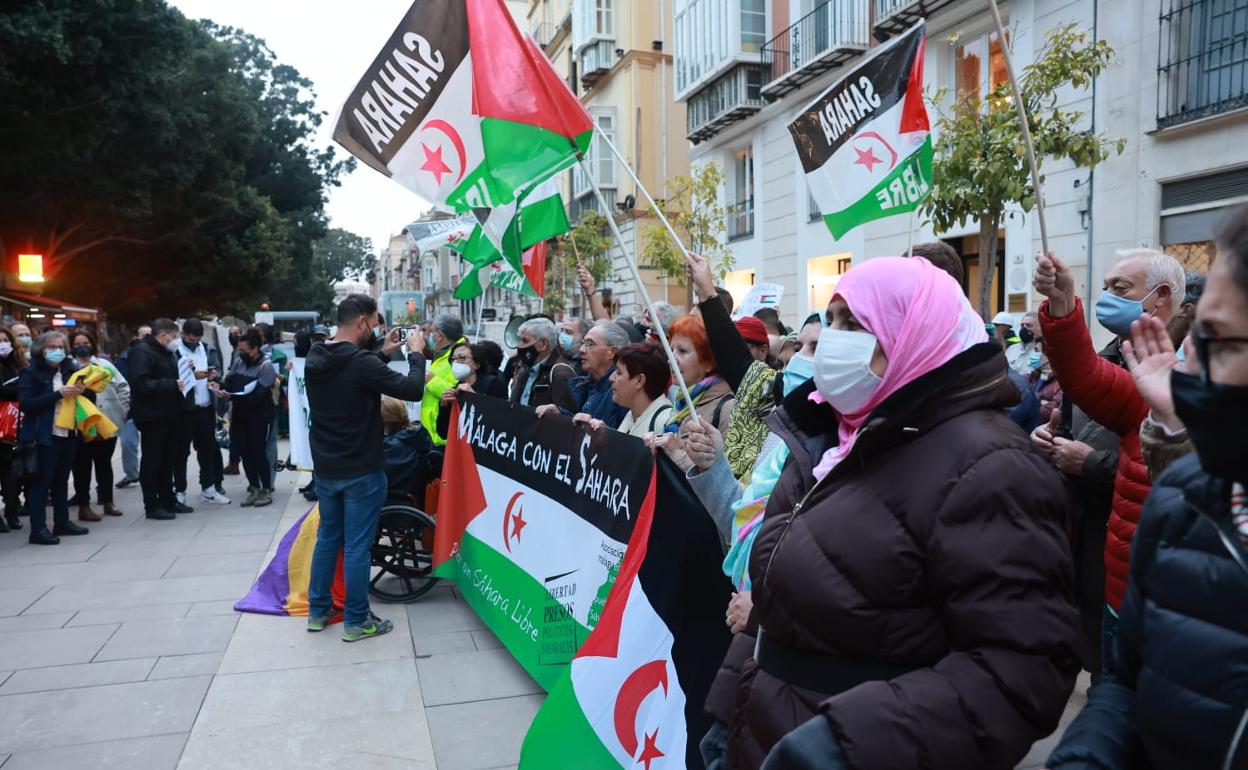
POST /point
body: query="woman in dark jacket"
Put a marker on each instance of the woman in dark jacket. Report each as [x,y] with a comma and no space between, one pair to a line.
[1175,690]
[40,389]
[12,362]
[912,583]
[249,387]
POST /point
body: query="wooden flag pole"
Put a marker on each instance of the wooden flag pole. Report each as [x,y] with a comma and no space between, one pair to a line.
[1022,120]
[910,238]
[641,287]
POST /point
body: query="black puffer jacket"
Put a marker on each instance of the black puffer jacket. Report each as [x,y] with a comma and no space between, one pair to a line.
[1178,683]
[937,546]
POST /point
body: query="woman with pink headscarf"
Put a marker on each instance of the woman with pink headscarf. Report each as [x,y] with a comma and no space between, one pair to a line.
[911,578]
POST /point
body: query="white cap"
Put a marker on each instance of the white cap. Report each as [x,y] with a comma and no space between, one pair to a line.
[1003,318]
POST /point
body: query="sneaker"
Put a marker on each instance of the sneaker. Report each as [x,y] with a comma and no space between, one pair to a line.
[374,626]
[220,489]
[126,482]
[180,508]
[214,497]
[318,622]
[231,469]
[181,498]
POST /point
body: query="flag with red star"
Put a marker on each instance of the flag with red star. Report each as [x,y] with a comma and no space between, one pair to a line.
[462,108]
[865,142]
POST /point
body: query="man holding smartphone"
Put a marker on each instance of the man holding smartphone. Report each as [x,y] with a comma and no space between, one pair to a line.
[199,417]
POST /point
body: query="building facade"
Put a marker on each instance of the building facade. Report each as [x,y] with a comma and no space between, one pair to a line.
[1176,91]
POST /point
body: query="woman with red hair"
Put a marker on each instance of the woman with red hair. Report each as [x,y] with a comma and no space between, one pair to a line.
[712,396]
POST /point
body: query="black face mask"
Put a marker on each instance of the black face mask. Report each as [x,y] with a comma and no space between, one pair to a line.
[528,356]
[1215,416]
[82,351]
[1026,335]
[233,340]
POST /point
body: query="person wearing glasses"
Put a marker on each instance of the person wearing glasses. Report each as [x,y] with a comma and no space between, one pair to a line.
[1173,691]
[1141,282]
[472,371]
[592,390]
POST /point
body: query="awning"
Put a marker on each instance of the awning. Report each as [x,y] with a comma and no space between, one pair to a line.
[40,302]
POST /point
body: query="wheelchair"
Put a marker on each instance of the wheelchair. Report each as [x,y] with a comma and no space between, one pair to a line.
[402,552]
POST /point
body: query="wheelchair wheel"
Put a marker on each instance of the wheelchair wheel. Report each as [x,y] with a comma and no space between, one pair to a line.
[403,550]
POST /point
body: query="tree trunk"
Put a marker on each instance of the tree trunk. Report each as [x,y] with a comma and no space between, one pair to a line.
[989,225]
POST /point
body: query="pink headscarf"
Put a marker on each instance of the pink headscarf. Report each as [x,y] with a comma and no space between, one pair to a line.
[920,317]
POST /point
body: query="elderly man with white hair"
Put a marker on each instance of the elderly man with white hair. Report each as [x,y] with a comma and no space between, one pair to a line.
[545,372]
[592,391]
[1142,282]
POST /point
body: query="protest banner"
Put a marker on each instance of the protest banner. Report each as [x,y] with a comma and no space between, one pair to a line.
[760,295]
[300,417]
[865,142]
[598,570]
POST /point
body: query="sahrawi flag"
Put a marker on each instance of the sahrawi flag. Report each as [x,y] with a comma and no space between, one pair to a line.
[600,573]
[865,143]
[462,108]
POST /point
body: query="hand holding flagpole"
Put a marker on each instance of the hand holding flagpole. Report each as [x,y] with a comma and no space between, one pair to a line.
[1026,129]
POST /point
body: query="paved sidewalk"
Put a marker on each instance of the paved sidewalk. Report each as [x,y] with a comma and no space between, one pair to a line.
[121,649]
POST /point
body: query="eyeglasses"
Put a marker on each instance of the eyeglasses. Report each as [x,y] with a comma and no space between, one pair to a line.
[462,359]
[588,344]
[1204,341]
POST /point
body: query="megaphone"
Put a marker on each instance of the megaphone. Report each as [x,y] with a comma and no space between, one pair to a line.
[511,335]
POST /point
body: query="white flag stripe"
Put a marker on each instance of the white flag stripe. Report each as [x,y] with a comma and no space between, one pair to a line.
[454,110]
[843,180]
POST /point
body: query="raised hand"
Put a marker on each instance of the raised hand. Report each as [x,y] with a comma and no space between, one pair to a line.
[585,279]
[415,341]
[1054,279]
[1150,356]
[1042,437]
[698,268]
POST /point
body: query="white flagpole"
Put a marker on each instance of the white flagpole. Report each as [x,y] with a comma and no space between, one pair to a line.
[645,193]
[481,312]
[1022,120]
[641,287]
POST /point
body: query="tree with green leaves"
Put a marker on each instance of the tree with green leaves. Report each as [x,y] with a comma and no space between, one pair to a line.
[694,210]
[980,167]
[342,255]
[588,243]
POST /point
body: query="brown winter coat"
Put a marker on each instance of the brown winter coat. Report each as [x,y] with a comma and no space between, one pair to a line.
[937,545]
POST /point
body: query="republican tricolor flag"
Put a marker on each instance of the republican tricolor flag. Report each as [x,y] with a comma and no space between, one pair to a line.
[462,108]
[865,143]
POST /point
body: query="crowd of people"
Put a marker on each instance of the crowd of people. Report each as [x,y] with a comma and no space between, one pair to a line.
[161,397]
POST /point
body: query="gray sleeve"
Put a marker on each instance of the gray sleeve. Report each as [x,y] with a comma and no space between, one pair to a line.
[717,489]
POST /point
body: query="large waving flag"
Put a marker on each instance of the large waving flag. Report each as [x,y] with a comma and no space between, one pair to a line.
[865,143]
[462,108]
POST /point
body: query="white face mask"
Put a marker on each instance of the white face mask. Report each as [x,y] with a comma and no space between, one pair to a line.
[460,371]
[172,345]
[843,369]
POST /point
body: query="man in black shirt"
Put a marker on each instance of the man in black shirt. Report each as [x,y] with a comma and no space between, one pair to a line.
[345,383]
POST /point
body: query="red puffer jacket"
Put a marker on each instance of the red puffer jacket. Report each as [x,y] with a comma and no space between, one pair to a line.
[1108,394]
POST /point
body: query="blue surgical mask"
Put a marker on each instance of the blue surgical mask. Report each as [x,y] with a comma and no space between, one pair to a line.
[54,356]
[1117,313]
[1035,360]
[801,369]
[565,342]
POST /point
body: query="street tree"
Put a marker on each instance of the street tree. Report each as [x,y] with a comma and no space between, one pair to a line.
[588,243]
[694,210]
[980,167]
[342,255]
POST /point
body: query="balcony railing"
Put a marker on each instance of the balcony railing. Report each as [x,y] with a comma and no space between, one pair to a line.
[893,16]
[1202,59]
[731,97]
[740,219]
[827,37]
[596,58]
[589,202]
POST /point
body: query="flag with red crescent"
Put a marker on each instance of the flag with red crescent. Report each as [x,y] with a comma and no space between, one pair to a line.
[462,108]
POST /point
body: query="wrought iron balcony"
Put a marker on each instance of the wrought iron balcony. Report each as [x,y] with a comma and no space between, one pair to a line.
[827,37]
[740,217]
[894,16]
[731,97]
[1202,66]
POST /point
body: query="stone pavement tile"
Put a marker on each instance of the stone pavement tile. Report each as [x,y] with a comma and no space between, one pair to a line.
[14,601]
[179,636]
[486,640]
[34,622]
[269,642]
[53,647]
[219,607]
[378,742]
[470,676]
[206,544]
[107,713]
[440,612]
[198,664]
[186,565]
[127,614]
[440,644]
[84,572]
[64,553]
[4,676]
[137,549]
[80,675]
[483,734]
[159,752]
[140,593]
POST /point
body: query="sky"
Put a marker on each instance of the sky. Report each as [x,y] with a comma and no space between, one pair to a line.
[331,44]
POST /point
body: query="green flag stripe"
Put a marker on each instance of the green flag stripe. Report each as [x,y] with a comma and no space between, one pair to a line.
[871,206]
[561,738]
[541,220]
[520,155]
[515,606]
